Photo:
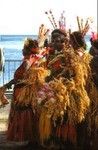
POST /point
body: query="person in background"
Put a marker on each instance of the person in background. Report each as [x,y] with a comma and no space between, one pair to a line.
[94,108]
[78,42]
[79,45]
[94,62]
[94,47]
[94,43]
[90,65]
[2,60]
[3,98]
[94,69]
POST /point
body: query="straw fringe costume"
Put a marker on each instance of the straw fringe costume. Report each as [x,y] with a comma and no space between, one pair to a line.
[93,94]
[71,103]
[90,68]
[30,94]
[21,119]
[55,64]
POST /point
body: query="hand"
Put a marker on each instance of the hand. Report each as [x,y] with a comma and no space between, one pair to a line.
[42,35]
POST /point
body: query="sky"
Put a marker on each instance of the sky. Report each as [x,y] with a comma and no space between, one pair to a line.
[25,16]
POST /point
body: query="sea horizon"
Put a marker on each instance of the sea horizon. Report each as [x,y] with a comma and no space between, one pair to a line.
[12,47]
[11,43]
[14,37]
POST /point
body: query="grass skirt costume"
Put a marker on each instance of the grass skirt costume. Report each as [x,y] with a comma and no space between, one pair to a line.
[29,97]
[53,114]
[60,119]
[21,119]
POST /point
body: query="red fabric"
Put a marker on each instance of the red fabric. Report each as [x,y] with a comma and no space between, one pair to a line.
[20,126]
[22,122]
[67,132]
[57,64]
[94,36]
[20,71]
[51,50]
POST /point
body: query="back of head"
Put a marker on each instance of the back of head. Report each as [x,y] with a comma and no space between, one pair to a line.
[95,43]
[30,47]
[77,40]
[59,31]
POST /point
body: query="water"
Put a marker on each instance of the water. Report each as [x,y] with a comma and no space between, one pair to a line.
[12,46]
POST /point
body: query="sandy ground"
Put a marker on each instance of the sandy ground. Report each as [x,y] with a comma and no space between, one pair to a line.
[4,145]
[4,113]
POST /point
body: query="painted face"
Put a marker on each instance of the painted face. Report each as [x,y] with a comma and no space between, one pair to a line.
[58,40]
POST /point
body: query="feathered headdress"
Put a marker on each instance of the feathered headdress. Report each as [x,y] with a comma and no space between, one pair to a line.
[51,19]
[94,36]
[62,20]
[84,27]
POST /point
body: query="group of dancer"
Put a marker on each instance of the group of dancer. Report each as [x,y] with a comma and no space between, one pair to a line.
[55,95]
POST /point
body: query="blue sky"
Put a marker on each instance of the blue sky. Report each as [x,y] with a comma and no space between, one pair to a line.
[25,16]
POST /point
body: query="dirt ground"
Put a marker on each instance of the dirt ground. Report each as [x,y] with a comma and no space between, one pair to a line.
[4,145]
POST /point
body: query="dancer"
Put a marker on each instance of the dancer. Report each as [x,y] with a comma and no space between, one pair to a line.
[21,118]
[70,106]
[55,57]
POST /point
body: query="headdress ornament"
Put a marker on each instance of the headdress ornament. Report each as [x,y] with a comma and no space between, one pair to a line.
[94,36]
[84,27]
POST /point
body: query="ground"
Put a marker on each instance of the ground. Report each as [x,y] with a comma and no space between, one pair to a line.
[4,145]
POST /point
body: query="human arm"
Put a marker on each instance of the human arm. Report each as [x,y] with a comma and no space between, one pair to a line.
[9,84]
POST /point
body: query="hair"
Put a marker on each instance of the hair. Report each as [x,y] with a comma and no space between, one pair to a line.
[60,31]
[95,43]
[30,47]
[46,44]
[77,39]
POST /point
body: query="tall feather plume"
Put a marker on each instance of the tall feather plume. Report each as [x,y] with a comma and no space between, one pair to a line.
[62,21]
[78,21]
[83,28]
[51,21]
[87,26]
[82,21]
